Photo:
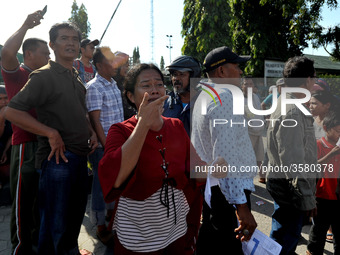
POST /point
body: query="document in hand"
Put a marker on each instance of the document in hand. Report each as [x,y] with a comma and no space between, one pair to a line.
[260,244]
[211,181]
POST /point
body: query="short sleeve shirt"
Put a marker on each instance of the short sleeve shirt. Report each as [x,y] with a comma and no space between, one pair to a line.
[58,96]
[105,96]
[14,82]
[228,139]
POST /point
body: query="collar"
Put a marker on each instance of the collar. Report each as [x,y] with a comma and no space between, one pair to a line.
[58,67]
[325,143]
[26,68]
[104,81]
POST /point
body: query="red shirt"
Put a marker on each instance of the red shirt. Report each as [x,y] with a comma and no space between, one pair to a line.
[14,82]
[326,186]
[147,177]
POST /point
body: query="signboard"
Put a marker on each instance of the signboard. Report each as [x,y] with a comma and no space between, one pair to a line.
[273,69]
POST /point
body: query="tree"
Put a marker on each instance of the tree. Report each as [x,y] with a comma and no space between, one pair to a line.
[265,29]
[80,18]
[162,64]
[205,26]
[328,38]
[135,56]
[273,29]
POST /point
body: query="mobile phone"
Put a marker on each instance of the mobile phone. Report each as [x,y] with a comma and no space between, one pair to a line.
[44,11]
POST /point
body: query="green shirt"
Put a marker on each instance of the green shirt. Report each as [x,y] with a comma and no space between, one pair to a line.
[58,96]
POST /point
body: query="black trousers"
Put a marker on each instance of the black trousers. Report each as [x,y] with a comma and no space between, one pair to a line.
[219,222]
[328,215]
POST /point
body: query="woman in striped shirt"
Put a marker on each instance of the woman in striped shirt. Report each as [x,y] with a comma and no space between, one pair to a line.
[146,166]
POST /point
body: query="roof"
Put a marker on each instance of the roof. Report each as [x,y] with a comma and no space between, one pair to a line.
[325,64]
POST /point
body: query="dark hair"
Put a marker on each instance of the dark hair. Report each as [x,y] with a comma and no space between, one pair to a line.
[297,68]
[132,76]
[325,97]
[332,119]
[31,44]
[98,57]
[56,27]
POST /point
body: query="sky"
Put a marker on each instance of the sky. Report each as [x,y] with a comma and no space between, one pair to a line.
[129,28]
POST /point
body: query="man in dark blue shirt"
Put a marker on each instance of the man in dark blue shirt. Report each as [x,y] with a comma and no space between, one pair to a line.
[178,104]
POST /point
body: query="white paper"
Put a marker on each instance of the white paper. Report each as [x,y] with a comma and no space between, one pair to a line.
[260,244]
[211,181]
[338,143]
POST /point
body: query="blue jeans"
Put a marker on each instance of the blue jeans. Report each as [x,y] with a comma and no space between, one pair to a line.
[98,204]
[287,224]
[63,197]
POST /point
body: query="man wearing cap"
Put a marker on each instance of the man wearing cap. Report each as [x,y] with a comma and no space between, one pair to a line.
[220,230]
[268,101]
[178,104]
[85,68]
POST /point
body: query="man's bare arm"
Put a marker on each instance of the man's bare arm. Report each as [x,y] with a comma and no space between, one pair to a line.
[13,44]
[25,121]
[97,126]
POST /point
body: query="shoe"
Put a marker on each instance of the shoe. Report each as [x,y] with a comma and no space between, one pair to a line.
[105,236]
[329,238]
[262,180]
[85,252]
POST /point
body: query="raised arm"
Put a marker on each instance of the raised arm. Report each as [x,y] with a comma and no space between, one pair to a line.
[13,44]
[148,115]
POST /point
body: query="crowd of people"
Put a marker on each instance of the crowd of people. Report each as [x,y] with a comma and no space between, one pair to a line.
[74,117]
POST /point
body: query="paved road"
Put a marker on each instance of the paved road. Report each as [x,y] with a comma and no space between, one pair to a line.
[87,237]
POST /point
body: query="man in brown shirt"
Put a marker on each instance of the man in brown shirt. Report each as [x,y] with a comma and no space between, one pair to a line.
[64,140]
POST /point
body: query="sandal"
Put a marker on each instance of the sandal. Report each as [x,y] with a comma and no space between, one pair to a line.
[329,238]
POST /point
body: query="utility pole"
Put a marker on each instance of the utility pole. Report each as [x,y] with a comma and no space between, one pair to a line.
[169,46]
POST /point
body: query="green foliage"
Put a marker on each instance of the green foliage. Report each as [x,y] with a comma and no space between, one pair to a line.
[333,82]
[272,29]
[162,64]
[80,18]
[205,26]
[265,29]
[135,56]
[331,36]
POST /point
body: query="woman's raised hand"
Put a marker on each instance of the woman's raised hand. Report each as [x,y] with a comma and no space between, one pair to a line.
[150,111]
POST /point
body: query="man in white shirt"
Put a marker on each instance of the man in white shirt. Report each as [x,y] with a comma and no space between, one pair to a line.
[220,230]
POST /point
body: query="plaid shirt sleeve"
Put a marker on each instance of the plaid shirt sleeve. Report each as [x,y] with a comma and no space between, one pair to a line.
[94,99]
